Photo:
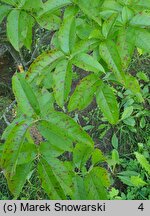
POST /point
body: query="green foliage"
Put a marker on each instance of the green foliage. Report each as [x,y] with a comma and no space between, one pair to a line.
[135,177]
[107,102]
[143,162]
[45,97]
[84,93]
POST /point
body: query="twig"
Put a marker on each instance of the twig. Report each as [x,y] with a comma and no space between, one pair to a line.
[5,119]
[13,53]
[23,62]
[6,111]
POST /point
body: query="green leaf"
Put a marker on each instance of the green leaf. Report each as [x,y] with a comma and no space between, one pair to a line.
[29,93]
[26,23]
[79,189]
[140,20]
[125,45]
[129,121]
[104,176]
[107,102]
[127,14]
[46,101]
[115,156]
[132,84]
[88,63]
[28,152]
[33,5]
[84,46]
[97,34]
[46,79]
[22,101]
[108,24]
[127,112]
[17,181]
[49,21]
[91,9]
[126,180]
[69,127]
[50,151]
[83,28]
[19,28]
[25,97]
[137,181]
[4,10]
[97,157]
[53,5]
[144,3]
[58,185]
[55,42]
[142,39]
[55,136]
[62,79]
[114,141]
[95,188]
[84,93]
[13,147]
[143,162]
[50,181]
[111,5]
[11,126]
[45,60]
[142,76]
[113,193]
[1,151]
[81,154]
[88,127]
[128,173]
[10,2]
[142,122]
[67,32]
[13,28]
[109,53]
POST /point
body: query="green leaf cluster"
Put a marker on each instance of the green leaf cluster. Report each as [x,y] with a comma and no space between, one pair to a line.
[99,38]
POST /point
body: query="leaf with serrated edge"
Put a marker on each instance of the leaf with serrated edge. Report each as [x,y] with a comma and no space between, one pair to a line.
[67,32]
[109,53]
[107,102]
[81,154]
[19,28]
[13,28]
[62,79]
[126,45]
[140,20]
[56,184]
[46,59]
[55,136]
[142,39]
[108,24]
[143,161]
[17,181]
[53,5]
[88,63]
[84,92]
[50,183]
[29,94]
[94,184]
[69,127]
[12,148]
[79,188]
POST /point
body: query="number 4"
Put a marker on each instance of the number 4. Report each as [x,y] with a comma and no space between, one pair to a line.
[141,207]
